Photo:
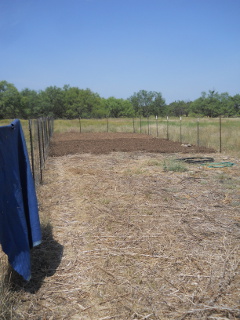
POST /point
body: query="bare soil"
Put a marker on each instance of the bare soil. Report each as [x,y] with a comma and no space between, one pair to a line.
[99,143]
[125,238]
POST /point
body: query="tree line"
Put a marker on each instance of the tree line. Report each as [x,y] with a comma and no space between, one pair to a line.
[73,102]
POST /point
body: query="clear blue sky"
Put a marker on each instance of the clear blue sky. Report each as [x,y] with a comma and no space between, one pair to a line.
[117,47]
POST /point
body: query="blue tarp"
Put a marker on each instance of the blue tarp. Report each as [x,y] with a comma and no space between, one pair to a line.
[19,219]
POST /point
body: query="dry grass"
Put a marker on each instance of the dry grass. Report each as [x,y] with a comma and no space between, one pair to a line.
[130,240]
[6,297]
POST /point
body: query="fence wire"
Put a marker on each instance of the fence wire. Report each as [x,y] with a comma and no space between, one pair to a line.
[220,134]
[40,132]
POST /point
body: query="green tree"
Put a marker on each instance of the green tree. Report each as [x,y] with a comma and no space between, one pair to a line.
[179,108]
[148,103]
[235,100]
[127,108]
[209,104]
[44,109]
[158,105]
[55,101]
[99,110]
[226,105]
[10,106]
[29,101]
[117,108]
[80,103]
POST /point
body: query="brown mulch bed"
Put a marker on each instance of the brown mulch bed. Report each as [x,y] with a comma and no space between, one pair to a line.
[99,143]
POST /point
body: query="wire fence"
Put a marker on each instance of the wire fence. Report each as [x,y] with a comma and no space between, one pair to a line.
[40,132]
[221,134]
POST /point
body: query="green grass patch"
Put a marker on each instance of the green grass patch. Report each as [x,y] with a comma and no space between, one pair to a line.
[173,165]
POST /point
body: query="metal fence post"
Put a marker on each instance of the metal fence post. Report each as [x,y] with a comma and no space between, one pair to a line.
[180,139]
[80,125]
[31,146]
[40,149]
[198,141]
[220,134]
[42,134]
[167,129]
[157,126]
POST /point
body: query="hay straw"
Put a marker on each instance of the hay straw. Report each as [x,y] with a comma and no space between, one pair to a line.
[137,242]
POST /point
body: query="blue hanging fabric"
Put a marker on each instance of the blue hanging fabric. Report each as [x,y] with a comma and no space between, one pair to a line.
[19,220]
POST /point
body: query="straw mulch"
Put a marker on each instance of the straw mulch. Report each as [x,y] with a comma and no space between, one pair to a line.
[126,239]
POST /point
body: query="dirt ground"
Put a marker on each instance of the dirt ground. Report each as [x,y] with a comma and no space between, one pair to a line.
[124,237]
[99,143]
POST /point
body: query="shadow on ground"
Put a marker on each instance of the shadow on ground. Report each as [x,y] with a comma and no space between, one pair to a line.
[45,260]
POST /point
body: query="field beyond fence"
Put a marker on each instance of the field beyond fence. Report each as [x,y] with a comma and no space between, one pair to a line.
[221,134]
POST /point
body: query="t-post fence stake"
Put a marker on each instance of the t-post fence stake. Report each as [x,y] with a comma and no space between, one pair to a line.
[107,124]
[157,125]
[180,130]
[31,144]
[220,134]
[167,129]
[40,149]
[43,140]
[80,125]
[198,142]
